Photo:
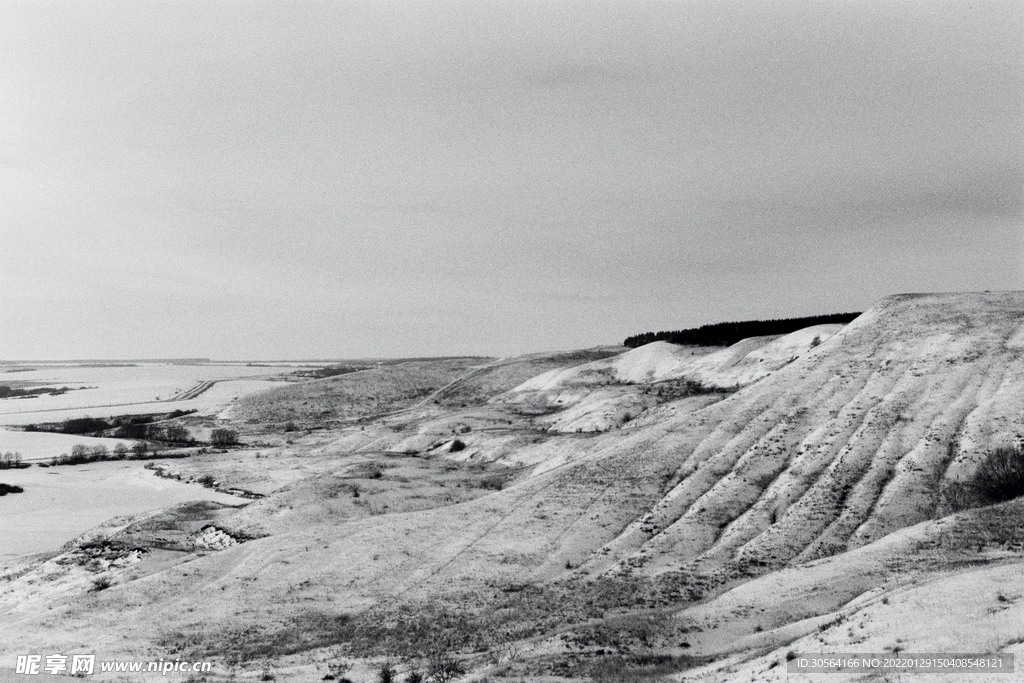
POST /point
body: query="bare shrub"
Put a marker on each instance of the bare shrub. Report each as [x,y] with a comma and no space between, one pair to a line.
[367,470]
[101,583]
[956,497]
[338,668]
[175,433]
[386,673]
[223,437]
[443,668]
[493,482]
[1001,475]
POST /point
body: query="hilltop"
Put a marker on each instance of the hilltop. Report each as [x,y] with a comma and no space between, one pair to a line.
[611,514]
[728,333]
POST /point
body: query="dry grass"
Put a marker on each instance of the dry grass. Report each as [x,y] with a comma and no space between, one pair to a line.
[351,396]
[638,668]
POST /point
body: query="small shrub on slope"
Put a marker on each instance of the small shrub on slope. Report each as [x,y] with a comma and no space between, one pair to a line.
[224,437]
[1001,475]
[956,497]
[444,668]
[386,673]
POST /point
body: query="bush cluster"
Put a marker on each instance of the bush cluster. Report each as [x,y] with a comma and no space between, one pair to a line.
[223,437]
[1001,475]
[126,426]
[10,488]
[10,392]
[81,454]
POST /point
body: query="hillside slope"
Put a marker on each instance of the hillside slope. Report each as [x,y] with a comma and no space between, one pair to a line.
[852,441]
[353,395]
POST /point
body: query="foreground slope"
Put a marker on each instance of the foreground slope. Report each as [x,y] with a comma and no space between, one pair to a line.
[587,545]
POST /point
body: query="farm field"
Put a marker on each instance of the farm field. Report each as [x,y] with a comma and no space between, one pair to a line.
[132,387]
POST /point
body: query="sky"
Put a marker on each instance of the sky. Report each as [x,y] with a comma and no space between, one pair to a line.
[249,179]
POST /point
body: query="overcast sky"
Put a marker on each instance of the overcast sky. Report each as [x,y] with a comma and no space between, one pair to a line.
[249,179]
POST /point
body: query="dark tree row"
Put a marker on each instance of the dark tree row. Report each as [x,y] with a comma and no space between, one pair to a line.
[330,371]
[10,460]
[128,426]
[727,334]
[10,392]
[82,454]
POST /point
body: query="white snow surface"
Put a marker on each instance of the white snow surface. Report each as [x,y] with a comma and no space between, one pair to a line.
[742,363]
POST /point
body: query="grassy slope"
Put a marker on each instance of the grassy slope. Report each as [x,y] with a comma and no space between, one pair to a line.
[483,384]
[351,396]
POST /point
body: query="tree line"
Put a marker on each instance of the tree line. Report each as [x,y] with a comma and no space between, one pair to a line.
[728,333]
[10,392]
[127,426]
[140,450]
[10,460]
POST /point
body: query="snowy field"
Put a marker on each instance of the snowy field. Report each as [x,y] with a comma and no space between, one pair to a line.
[143,387]
[36,446]
[60,503]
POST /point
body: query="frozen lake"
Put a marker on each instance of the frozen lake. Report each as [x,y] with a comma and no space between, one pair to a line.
[59,503]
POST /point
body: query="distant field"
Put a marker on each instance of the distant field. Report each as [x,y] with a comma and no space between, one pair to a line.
[136,388]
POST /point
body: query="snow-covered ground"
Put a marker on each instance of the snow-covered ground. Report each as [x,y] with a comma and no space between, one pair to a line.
[740,364]
[59,503]
[139,388]
[35,446]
